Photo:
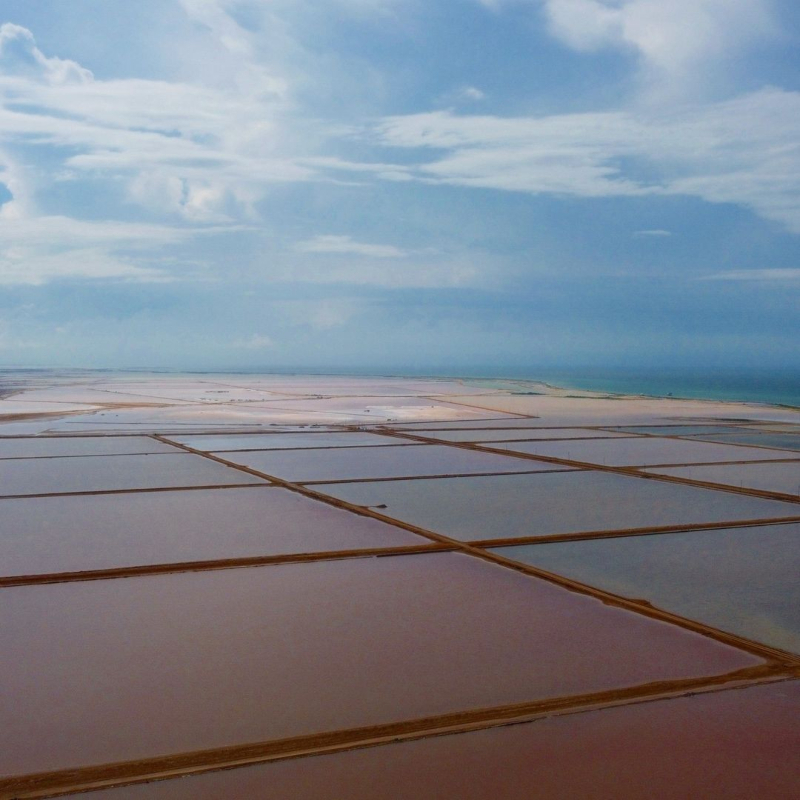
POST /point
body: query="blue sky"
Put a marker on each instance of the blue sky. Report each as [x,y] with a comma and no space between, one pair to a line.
[396,184]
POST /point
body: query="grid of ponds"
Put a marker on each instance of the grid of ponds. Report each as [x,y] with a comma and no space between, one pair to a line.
[776,477]
[644,451]
[305,613]
[748,740]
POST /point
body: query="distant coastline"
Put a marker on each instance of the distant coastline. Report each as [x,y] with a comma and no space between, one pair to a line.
[765,388]
[761,388]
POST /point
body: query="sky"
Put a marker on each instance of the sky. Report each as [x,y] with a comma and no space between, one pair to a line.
[435,185]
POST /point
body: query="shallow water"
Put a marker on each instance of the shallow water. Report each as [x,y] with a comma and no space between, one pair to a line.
[783,477]
[787,441]
[641,451]
[28,476]
[281,441]
[82,446]
[379,462]
[743,745]
[536,434]
[742,580]
[551,503]
[79,532]
[175,663]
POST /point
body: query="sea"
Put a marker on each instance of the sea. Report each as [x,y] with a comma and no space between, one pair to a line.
[769,387]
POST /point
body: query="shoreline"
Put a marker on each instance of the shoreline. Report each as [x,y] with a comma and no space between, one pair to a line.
[514,386]
[578,392]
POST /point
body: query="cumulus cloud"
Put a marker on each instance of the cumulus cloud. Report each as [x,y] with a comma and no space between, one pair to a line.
[198,200]
[670,35]
[744,151]
[345,244]
[19,188]
[20,56]
[200,152]
[205,154]
[683,46]
[585,24]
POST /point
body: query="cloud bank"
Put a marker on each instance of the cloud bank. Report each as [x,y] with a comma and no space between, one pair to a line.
[744,151]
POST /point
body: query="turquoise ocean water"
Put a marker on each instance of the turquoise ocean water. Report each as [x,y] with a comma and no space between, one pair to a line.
[774,388]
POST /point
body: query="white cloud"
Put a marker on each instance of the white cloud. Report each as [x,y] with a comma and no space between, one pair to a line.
[346,245]
[20,56]
[657,232]
[59,231]
[683,46]
[564,154]
[36,250]
[585,24]
[34,267]
[257,39]
[671,36]
[744,151]
[204,153]
[755,275]
[195,152]
[19,186]
[198,201]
